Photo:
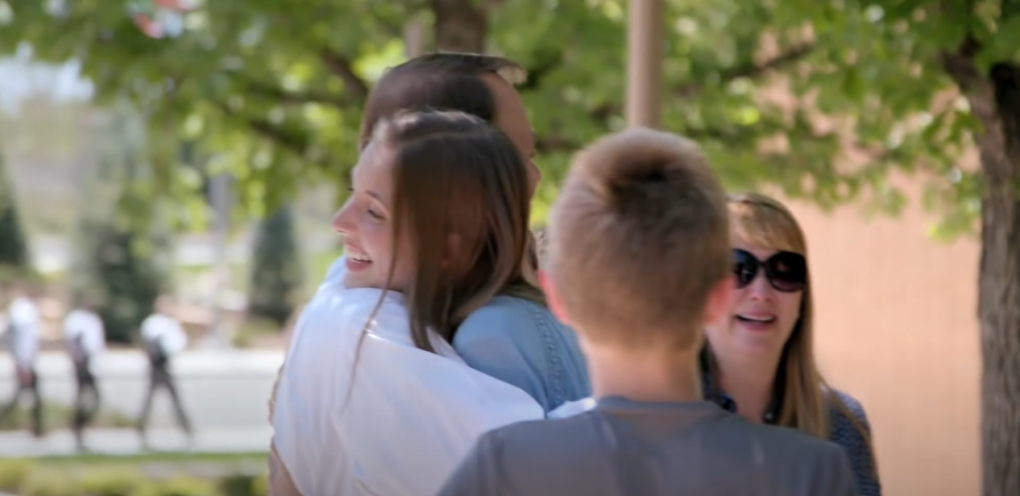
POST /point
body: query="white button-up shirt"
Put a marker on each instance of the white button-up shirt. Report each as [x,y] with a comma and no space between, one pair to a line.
[167,331]
[397,426]
[85,329]
[23,331]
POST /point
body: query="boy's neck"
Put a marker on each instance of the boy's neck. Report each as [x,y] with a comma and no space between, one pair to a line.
[652,375]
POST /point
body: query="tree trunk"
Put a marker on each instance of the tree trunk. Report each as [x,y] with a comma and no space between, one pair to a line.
[460,25]
[999,292]
[995,101]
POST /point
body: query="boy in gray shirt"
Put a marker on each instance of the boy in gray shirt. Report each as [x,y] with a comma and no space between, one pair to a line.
[639,261]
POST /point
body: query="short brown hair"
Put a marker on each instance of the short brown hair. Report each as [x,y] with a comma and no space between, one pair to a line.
[440,81]
[638,239]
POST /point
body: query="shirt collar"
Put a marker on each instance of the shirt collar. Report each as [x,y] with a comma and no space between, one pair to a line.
[714,393]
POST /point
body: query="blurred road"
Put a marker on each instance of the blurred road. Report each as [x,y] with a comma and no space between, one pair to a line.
[225,393]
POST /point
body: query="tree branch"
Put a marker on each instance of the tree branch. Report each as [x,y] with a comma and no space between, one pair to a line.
[339,65]
[281,95]
[294,141]
[552,143]
[752,69]
[959,63]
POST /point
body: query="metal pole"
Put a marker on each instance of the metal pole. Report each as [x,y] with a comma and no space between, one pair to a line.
[646,48]
[221,186]
[414,36]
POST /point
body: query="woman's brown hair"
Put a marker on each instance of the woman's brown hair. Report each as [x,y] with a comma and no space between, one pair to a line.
[450,82]
[806,399]
[461,196]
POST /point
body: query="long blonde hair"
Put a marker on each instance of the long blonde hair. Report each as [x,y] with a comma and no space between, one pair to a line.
[807,398]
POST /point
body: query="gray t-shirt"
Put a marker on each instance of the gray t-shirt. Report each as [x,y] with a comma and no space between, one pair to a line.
[626,448]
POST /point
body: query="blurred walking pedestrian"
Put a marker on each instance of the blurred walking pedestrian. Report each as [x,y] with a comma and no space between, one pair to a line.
[84,338]
[22,339]
[163,337]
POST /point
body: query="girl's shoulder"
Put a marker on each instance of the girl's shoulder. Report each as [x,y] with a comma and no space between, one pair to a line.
[503,313]
[845,407]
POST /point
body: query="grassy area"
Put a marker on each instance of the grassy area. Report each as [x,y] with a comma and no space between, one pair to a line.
[100,459]
[58,416]
[159,474]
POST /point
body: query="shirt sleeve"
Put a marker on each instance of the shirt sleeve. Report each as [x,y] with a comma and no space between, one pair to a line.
[147,329]
[280,482]
[96,336]
[180,338]
[858,445]
[69,327]
[478,474]
[493,341]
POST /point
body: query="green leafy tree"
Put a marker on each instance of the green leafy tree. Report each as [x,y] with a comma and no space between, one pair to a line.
[823,99]
[276,271]
[14,256]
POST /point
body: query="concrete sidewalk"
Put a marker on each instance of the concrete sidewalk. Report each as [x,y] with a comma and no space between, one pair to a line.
[224,392]
[120,363]
[20,444]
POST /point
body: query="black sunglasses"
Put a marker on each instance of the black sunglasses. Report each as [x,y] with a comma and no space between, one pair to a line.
[785,271]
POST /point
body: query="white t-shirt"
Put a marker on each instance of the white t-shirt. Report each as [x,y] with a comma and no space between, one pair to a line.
[88,327]
[402,423]
[23,331]
[167,331]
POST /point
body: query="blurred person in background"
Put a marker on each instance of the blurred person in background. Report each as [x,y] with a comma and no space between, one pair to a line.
[22,339]
[758,360]
[163,338]
[84,339]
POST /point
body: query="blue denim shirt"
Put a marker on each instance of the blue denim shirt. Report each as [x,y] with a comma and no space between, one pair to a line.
[841,431]
[522,343]
[519,342]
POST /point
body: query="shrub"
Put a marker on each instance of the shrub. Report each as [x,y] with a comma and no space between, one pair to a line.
[179,487]
[111,482]
[48,483]
[13,474]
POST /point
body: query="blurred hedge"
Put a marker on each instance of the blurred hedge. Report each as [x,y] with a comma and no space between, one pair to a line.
[30,478]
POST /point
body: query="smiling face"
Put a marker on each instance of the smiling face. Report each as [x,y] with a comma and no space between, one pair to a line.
[768,243]
[761,318]
[366,223]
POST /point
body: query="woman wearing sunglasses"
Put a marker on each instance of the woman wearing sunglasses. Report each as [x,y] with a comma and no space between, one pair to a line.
[758,361]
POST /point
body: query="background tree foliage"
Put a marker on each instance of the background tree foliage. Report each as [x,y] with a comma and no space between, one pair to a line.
[275,89]
[824,99]
[277,274]
[14,257]
[124,238]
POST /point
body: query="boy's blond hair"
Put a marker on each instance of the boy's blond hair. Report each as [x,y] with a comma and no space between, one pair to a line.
[639,239]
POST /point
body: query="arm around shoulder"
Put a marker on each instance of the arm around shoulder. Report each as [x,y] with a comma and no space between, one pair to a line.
[852,431]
